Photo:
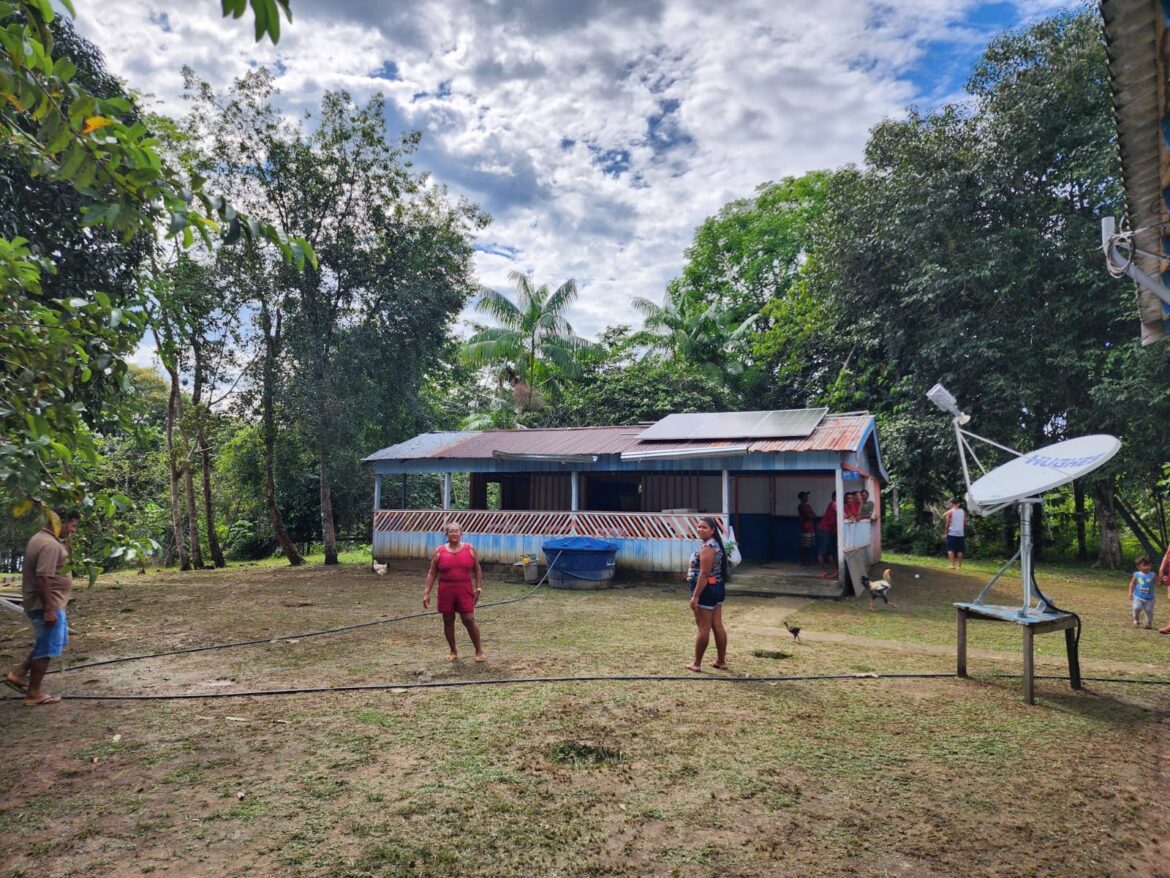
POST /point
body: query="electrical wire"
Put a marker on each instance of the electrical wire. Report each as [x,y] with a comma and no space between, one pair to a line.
[587,678]
[189,650]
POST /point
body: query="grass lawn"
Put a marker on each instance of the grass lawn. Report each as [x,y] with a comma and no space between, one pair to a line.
[870,777]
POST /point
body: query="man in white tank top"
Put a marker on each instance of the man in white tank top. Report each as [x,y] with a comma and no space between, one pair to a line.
[954,529]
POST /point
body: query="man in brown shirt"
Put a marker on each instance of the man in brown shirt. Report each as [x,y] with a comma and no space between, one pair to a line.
[46,584]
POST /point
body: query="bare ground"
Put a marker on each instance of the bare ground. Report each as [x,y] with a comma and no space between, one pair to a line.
[866,777]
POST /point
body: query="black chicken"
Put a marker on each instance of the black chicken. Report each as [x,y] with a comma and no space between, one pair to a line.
[794,630]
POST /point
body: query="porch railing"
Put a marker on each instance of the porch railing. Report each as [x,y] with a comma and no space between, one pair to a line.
[612,525]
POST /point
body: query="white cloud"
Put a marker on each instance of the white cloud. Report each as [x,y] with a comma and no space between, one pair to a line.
[598,133]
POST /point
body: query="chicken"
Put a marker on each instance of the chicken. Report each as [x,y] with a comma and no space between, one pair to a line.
[794,630]
[381,569]
[879,588]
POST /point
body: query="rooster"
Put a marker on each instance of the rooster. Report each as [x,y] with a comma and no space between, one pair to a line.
[381,569]
[879,588]
[794,630]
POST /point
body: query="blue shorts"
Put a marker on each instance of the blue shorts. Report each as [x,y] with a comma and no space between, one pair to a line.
[827,543]
[51,639]
[956,544]
[711,596]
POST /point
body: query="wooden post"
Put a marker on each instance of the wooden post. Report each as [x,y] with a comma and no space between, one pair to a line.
[446,490]
[1029,668]
[726,495]
[378,492]
[961,664]
[839,489]
[574,481]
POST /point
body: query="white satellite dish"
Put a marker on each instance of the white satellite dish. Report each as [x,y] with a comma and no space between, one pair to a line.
[1020,482]
[1031,474]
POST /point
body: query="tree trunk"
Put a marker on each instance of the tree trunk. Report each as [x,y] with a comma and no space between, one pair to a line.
[196,549]
[208,507]
[201,413]
[173,403]
[1109,552]
[1079,507]
[268,430]
[328,532]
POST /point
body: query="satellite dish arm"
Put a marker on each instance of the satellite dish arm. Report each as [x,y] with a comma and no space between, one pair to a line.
[965,448]
[1119,258]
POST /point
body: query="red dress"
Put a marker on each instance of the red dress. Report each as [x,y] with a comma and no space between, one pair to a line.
[455,592]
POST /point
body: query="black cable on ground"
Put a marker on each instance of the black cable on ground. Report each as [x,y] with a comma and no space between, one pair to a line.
[303,636]
[587,678]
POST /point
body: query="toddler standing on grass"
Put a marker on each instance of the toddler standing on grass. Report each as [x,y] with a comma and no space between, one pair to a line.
[1141,590]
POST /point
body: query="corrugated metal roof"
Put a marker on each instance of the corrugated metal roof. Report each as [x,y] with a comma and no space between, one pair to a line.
[1136,46]
[420,446]
[834,433]
[565,440]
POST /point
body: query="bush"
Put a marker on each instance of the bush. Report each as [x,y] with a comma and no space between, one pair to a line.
[914,538]
[244,544]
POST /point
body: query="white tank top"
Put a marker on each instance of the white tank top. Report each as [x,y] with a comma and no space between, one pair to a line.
[958,519]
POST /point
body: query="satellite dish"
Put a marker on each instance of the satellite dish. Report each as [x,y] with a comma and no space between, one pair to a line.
[1041,470]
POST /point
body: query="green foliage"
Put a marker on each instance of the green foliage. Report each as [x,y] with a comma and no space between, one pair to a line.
[533,349]
[266,12]
[646,390]
[703,334]
[243,543]
[966,251]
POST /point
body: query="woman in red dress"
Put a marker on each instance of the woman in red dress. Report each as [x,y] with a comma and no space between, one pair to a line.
[460,585]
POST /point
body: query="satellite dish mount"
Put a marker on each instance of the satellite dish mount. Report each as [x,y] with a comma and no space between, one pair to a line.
[1021,482]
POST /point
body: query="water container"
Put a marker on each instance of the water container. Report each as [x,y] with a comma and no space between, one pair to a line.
[580,562]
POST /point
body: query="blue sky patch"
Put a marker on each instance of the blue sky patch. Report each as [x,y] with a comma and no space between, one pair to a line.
[388,71]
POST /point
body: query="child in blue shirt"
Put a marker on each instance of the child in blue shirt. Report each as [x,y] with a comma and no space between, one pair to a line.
[1141,590]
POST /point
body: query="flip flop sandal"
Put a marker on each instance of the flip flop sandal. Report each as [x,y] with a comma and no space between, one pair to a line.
[14,684]
[44,699]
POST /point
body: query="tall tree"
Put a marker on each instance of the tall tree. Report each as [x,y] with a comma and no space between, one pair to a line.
[395,255]
[63,123]
[983,270]
[691,330]
[534,348]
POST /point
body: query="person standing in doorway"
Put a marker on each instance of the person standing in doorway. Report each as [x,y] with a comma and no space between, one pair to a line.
[46,585]
[460,584]
[808,528]
[827,540]
[954,529]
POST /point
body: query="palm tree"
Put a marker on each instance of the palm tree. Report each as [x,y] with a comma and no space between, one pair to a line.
[693,332]
[533,347]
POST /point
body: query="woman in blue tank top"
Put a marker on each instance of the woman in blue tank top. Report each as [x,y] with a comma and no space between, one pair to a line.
[706,576]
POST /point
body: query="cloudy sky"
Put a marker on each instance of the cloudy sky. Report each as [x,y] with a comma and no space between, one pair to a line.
[598,133]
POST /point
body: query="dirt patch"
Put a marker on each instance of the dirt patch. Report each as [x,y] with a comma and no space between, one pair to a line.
[689,778]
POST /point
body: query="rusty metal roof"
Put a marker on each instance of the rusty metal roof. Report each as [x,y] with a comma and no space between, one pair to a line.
[834,433]
[1135,39]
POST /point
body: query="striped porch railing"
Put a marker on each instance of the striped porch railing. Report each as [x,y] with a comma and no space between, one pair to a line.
[611,525]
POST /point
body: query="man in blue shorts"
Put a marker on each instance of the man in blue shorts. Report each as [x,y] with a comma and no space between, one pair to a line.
[46,584]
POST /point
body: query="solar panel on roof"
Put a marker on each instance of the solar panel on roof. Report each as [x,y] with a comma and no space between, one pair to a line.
[791,423]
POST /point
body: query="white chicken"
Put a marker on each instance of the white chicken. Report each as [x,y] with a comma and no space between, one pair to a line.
[380,569]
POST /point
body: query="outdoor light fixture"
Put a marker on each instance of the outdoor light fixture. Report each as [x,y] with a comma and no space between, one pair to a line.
[946,401]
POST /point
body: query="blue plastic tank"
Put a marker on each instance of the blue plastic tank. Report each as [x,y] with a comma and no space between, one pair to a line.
[580,562]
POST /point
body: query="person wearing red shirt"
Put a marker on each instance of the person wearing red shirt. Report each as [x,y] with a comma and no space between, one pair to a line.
[827,540]
[460,585]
